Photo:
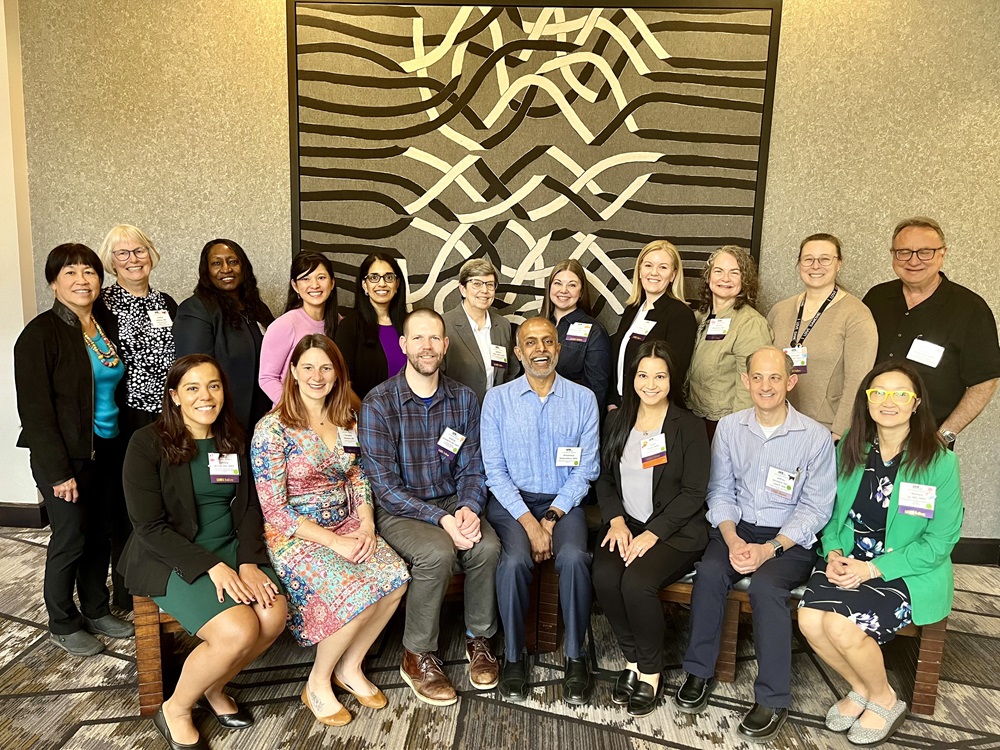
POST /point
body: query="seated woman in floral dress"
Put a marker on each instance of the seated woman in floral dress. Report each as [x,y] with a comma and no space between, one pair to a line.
[343,581]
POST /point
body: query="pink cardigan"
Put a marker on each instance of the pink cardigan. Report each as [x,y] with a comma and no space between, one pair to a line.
[276,350]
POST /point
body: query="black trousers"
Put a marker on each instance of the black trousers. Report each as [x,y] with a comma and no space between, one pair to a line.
[630,596]
[770,588]
[84,534]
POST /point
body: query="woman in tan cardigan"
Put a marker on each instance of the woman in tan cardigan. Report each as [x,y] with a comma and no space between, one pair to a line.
[829,333]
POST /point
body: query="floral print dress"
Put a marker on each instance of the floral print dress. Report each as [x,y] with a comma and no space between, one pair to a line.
[299,478]
[878,607]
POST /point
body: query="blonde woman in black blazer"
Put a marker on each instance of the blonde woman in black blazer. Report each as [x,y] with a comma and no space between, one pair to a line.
[464,360]
[654,518]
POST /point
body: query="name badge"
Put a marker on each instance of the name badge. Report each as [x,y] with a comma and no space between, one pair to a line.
[569,456]
[717,329]
[160,318]
[781,482]
[579,332]
[800,358]
[349,440]
[653,451]
[925,352]
[224,468]
[642,329]
[917,499]
[450,443]
[498,356]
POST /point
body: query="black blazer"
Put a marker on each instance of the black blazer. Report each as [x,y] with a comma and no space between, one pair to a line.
[199,328]
[161,506]
[54,383]
[675,324]
[679,486]
[366,361]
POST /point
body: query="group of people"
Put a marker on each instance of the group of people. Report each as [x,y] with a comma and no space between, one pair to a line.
[251,473]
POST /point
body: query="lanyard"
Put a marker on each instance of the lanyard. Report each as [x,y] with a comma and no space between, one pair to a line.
[798,320]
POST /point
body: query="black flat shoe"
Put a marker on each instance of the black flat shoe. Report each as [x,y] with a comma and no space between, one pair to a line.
[239,720]
[160,722]
[578,683]
[624,687]
[644,698]
[514,680]
[761,724]
[692,696]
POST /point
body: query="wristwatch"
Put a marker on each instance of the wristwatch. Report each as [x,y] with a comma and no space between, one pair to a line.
[949,436]
[551,515]
[779,548]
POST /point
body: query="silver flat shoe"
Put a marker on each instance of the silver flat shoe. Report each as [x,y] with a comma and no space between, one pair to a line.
[837,722]
[865,737]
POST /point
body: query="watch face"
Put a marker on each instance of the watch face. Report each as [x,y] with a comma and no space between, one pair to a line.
[551,515]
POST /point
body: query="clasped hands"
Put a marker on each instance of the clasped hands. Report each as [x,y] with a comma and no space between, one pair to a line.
[746,557]
[246,587]
[845,572]
[539,535]
[463,528]
[619,536]
[357,546]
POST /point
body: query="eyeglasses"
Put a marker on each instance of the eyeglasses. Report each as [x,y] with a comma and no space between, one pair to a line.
[475,285]
[140,253]
[374,278]
[924,253]
[826,261]
[879,395]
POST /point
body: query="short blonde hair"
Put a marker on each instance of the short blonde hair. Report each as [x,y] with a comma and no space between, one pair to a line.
[125,232]
[675,290]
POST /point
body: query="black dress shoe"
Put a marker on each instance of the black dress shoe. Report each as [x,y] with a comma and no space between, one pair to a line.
[761,723]
[578,683]
[514,680]
[624,687]
[239,720]
[692,696]
[644,698]
[160,722]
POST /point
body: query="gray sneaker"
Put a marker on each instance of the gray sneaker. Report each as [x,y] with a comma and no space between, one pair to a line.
[110,626]
[80,643]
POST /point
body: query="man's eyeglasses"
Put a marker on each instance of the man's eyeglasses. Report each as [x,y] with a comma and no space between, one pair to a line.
[374,278]
[475,285]
[824,260]
[924,253]
[140,253]
[879,395]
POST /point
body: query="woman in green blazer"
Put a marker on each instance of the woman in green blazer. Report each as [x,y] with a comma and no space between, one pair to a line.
[887,547]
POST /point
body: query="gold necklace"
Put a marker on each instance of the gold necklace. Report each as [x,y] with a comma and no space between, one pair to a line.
[111,358]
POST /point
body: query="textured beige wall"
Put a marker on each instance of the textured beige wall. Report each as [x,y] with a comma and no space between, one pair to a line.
[173,116]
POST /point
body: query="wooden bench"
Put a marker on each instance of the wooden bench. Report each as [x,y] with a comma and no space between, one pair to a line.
[154,630]
[930,650]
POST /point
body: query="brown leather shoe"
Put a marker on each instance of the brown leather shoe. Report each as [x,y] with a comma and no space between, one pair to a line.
[484,671]
[422,672]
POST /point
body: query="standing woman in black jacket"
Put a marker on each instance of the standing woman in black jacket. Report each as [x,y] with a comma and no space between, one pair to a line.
[654,310]
[226,318]
[66,372]
[198,547]
[368,336]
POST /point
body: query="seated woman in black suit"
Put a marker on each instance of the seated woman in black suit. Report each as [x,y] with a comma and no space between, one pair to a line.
[198,547]
[654,473]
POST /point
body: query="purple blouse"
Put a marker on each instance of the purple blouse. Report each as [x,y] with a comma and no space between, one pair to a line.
[394,356]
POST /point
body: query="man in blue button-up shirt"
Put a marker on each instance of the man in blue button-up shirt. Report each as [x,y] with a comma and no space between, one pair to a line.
[771,491]
[540,451]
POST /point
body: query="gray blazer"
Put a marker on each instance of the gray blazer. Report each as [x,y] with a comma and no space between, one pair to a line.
[464,363]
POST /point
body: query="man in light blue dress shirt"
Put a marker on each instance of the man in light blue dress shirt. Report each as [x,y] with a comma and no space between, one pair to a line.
[539,437]
[771,491]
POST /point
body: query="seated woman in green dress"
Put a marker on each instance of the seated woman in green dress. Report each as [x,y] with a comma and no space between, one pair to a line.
[198,547]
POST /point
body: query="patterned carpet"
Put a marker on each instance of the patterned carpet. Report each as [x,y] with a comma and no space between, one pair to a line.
[49,700]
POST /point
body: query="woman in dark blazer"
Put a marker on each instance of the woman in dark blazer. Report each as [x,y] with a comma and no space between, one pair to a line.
[655,310]
[368,336]
[198,548]
[655,466]
[226,318]
[466,359]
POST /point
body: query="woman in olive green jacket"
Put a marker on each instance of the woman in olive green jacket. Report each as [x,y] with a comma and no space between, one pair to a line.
[887,547]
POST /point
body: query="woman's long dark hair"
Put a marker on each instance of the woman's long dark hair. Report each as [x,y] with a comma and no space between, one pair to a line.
[622,420]
[178,445]
[249,295]
[304,264]
[365,317]
[923,442]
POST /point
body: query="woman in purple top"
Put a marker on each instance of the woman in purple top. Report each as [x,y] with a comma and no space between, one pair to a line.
[368,336]
[311,308]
